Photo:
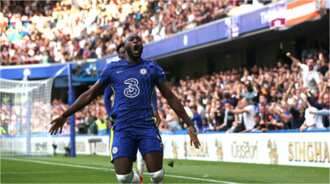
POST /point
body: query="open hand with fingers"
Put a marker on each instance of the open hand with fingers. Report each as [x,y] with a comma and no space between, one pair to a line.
[57,125]
[193,137]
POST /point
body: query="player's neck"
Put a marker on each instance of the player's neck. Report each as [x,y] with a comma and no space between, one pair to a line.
[134,60]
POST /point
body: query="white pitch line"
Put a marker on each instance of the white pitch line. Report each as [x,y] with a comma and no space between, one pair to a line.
[108,169]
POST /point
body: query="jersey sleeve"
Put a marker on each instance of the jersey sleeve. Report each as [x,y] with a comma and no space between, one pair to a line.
[154,101]
[158,74]
[107,102]
[105,78]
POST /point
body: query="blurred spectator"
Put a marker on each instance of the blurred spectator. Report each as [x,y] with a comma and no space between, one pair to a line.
[227,118]
[101,126]
[310,75]
[172,121]
[197,119]
[312,121]
[3,131]
[246,111]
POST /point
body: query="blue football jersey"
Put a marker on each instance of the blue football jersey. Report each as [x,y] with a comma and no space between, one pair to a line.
[133,86]
[108,106]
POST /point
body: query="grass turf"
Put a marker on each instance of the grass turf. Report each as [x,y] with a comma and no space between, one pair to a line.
[97,169]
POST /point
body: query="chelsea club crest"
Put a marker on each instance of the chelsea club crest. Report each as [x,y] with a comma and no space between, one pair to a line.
[143,71]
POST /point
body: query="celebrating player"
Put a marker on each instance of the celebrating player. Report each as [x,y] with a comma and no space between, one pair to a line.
[133,81]
[108,92]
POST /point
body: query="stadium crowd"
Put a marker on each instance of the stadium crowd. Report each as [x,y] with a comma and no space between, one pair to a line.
[62,31]
[91,120]
[295,96]
[14,118]
[259,99]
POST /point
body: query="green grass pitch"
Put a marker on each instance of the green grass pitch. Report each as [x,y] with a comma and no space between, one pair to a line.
[97,169]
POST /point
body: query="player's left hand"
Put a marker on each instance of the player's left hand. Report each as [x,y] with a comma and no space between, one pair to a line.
[193,137]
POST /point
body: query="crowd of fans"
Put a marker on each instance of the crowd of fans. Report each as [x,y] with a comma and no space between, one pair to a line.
[91,120]
[62,31]
[16,119]
[258,99]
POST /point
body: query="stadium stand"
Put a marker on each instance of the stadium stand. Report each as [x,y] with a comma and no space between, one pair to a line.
[61,31]
[276,97]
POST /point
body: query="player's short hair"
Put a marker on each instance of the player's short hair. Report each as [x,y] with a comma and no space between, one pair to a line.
[129,37]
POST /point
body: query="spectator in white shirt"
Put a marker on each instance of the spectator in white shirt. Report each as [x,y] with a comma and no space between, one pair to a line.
[249,113]
[312,120]
[310,75]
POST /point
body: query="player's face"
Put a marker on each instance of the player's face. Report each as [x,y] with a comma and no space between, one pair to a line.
[134,46]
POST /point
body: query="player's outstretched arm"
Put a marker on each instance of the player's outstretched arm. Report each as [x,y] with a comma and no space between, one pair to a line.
[175,104]
[82,101]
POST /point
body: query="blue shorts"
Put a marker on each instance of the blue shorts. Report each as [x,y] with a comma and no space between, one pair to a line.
[125,143]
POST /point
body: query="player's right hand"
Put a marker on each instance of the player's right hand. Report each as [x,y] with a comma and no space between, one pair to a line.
[57,125]
[193,137]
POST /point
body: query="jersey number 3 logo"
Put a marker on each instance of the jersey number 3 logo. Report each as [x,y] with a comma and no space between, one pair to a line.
[132,89]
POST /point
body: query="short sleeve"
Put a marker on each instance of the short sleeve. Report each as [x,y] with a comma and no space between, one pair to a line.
[154,101]
[107,101]
[105,77]
[158,74]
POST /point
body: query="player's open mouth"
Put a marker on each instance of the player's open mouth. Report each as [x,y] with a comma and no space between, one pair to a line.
[136,49]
